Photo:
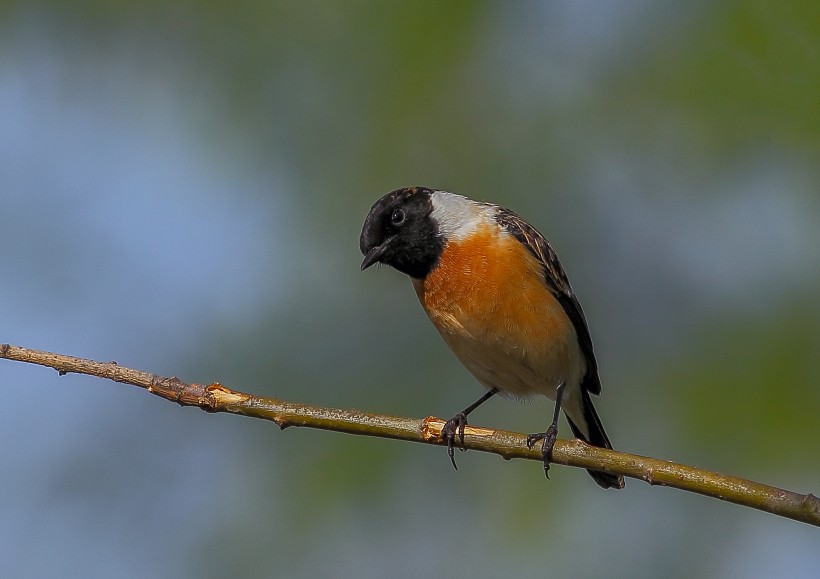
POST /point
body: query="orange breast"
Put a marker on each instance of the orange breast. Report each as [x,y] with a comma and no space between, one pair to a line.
[488,299]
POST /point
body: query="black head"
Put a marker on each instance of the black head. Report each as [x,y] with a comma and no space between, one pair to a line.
[399,232]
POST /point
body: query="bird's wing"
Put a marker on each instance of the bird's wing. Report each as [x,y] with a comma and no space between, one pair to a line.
[556,280]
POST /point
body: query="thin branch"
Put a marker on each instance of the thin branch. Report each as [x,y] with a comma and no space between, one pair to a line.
[217,398]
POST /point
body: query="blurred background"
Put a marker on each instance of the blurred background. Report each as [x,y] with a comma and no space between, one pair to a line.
[182,187]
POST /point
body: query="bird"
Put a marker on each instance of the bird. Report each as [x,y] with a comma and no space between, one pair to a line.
[493,287]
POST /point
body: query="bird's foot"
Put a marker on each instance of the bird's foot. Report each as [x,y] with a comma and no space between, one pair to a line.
[454,428]
[549,437]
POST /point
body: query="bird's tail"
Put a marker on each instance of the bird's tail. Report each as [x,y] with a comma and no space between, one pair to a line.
[596,437]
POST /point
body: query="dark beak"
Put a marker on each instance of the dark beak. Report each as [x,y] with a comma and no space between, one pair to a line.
[374,254]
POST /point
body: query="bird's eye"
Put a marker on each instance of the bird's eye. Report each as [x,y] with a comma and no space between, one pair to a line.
[398,217]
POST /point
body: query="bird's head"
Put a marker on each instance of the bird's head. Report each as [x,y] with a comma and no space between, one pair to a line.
[400,232]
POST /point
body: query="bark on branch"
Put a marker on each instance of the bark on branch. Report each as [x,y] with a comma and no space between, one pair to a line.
[218,398]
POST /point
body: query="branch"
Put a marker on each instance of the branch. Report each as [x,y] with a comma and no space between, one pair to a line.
[217,398]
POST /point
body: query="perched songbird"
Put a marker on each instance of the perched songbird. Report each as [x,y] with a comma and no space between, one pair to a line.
[496,292]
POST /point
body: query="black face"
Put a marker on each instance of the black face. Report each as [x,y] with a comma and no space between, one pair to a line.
[399,232]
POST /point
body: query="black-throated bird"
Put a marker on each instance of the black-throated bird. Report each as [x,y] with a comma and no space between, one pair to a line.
[496,292]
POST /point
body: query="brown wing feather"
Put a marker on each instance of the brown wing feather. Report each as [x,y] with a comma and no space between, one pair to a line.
[558,283]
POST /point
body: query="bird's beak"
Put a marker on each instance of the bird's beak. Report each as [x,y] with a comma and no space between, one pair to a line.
[375,253]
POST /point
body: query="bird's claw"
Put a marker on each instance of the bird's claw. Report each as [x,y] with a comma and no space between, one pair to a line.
[454,428]
[549,437]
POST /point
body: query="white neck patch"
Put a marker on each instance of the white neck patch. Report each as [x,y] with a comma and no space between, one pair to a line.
[457,216]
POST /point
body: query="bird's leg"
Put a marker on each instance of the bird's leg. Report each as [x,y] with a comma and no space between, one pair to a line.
[550,435]
[455,426]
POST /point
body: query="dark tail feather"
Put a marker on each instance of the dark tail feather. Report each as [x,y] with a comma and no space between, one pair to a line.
[597,437]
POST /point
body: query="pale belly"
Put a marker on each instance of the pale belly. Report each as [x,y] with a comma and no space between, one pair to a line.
[502,361]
